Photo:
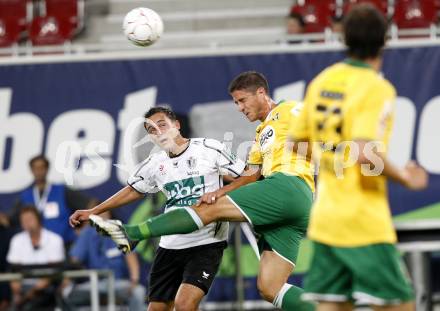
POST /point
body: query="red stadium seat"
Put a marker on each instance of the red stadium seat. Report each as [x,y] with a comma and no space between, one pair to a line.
[415,13]
[9,31]
[50,30]
[64,10]
[14,9]
[316,13]
[381,5]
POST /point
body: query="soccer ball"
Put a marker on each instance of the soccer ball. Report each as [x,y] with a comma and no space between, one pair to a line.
[142,26]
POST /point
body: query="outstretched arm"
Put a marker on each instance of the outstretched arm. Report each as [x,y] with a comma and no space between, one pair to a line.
[133,268]
[412,176]
[124,196]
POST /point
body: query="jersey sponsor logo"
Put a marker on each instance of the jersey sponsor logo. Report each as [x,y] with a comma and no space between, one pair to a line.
[185,192]
[267,137]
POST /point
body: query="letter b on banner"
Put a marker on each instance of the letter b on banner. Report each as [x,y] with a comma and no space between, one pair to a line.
[25,133]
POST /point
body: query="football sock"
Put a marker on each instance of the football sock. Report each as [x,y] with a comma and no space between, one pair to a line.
[178,221]
[289,298]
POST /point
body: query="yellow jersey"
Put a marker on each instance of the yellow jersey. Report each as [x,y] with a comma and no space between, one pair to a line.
[271,149]
[346,102]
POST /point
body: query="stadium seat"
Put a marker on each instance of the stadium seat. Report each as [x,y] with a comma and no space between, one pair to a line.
[415,13]
[9,31]
[382,5]
[65,10]
[50,30]
[316,13]
[15,9]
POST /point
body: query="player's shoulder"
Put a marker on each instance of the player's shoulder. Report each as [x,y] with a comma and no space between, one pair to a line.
[211,143]
[379,87]
[154,157]
[286,106]
[385,85]
[328,73]
[152,160]
[286,109]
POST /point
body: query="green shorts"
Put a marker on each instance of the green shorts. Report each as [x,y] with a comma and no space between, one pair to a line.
[373,275]
[278,207]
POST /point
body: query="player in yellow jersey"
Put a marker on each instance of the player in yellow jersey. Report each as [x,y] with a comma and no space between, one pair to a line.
[347,117]
[277,206]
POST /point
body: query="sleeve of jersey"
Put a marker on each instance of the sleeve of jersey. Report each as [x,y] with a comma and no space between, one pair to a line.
[255,157]
[142,180]
[299,128]
[372,116]
[227,162]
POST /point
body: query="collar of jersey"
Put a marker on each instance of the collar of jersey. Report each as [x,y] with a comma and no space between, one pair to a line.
[356,63]
[183,151]
[269,115]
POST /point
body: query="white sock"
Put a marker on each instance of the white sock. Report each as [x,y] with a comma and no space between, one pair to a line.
[195,217]
[278,301]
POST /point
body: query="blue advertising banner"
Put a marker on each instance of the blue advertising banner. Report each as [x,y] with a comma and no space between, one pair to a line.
[83,110]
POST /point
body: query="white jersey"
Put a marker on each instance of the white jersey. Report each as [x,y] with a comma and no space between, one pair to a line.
[184,179]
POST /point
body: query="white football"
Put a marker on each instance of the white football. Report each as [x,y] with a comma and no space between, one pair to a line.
[142,26]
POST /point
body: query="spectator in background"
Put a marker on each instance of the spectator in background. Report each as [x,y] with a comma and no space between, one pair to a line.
[5,234]
[295,26]
[54,201]
[336,24]
[94,251]
[33,246]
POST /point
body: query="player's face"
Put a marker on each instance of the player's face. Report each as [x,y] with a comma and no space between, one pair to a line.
[162,130]
[250,103]
[39,170]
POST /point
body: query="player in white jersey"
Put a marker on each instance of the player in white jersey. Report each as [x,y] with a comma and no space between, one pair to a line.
[185,264]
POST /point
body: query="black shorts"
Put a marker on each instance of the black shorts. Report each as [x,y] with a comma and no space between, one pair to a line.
[171,267]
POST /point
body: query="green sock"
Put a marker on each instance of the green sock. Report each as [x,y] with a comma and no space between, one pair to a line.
[137,232]
[289,298]
[178,221]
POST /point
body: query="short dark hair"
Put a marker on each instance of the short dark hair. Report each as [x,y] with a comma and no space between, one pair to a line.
[31,209]
[250,81]
[39,158]
[365,29]
[298,17]
[167,111]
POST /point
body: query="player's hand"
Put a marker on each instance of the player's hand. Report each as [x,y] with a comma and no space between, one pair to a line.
[415,176]
[210,197]
[79,216]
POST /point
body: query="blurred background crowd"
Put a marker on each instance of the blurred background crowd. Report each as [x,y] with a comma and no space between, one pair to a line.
[75,26]
[46,77]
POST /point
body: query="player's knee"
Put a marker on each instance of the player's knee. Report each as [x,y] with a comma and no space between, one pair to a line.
[185,305]
[266,290]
